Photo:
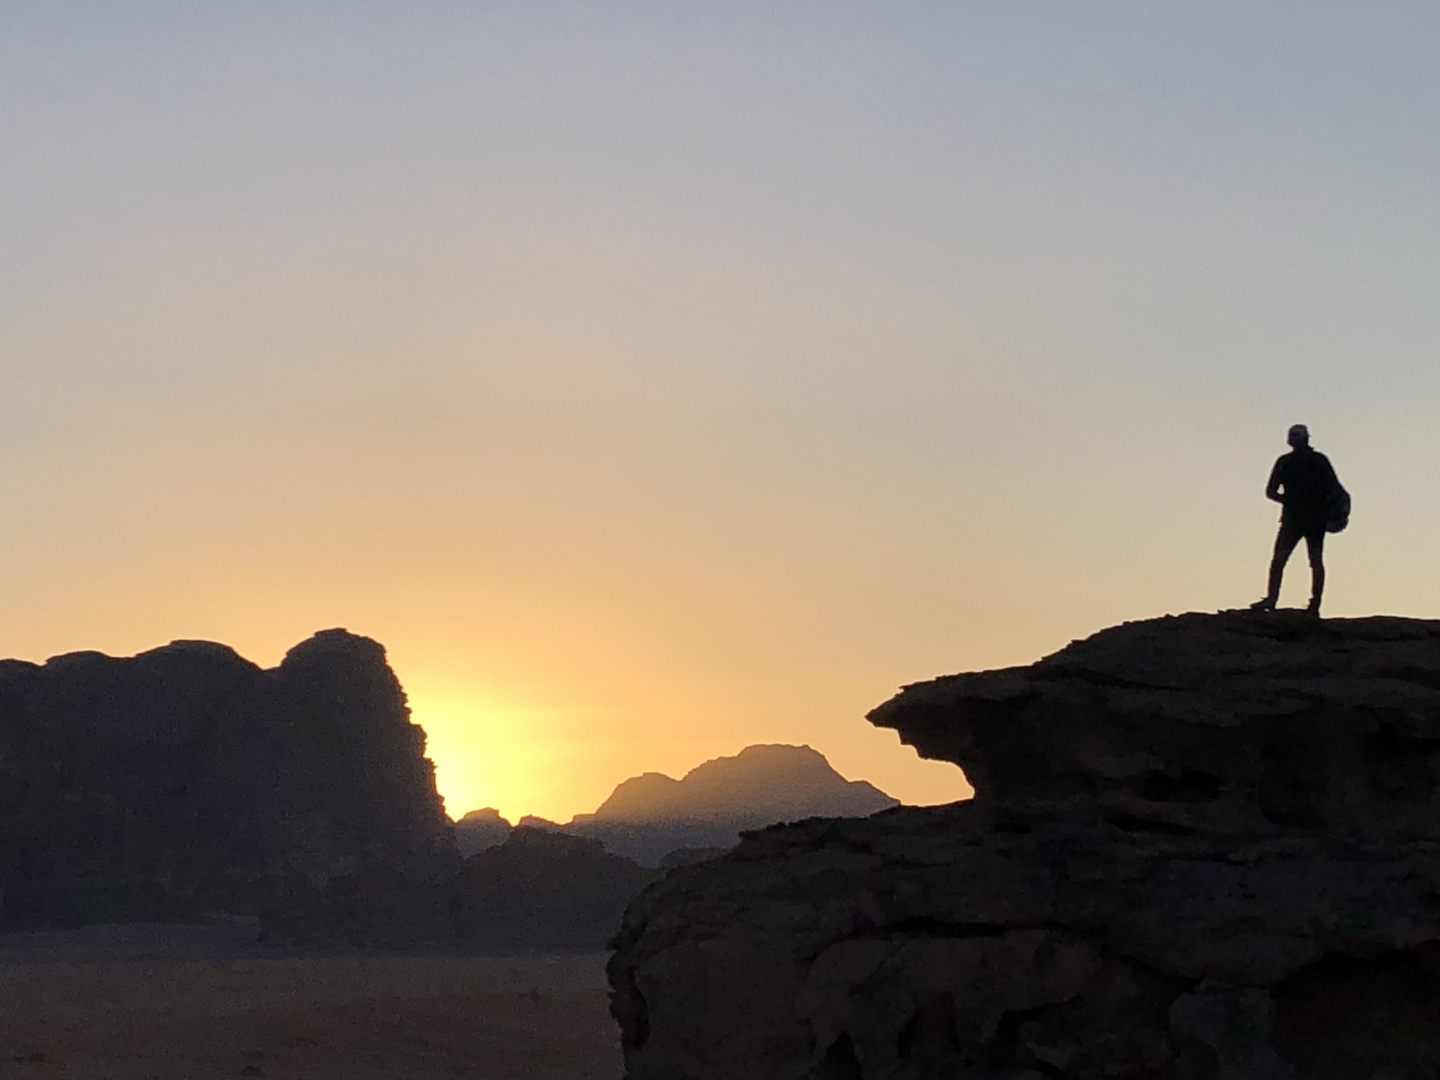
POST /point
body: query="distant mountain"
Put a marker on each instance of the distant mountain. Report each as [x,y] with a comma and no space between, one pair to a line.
[480,830]
[650,815]
[764,784]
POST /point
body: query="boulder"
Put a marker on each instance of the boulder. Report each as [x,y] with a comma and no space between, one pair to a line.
[1203,847]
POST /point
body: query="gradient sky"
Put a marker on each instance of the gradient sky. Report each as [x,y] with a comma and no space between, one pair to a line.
[655,378]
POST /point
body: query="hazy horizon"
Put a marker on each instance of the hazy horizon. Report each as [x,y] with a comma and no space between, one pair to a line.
[657,380]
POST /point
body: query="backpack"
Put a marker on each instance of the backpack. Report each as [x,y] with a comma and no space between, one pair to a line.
[1337,509]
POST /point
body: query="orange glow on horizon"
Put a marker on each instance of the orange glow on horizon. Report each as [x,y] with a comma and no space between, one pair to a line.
[657,384]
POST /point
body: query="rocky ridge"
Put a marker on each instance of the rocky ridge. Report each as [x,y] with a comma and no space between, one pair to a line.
[651,815]
[1201,848]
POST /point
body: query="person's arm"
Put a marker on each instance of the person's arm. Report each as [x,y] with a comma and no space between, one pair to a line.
[1272,489]
[1334,481]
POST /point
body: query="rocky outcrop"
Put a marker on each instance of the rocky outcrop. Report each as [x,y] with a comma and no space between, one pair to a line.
[651,815]
[545,890]
[480,830]
[539,890]
[187,779]
[1201,848]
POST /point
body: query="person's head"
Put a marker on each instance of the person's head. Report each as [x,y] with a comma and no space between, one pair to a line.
[1299,436]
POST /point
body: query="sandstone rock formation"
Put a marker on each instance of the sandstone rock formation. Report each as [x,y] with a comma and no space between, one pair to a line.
[480,830]
[1201,848]
[651,815]
[546,890]
[187,779]
[539,890]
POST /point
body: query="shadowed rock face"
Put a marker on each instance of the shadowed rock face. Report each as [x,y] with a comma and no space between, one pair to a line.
[544,889]
[1201,847]
[187,779]
[538,890]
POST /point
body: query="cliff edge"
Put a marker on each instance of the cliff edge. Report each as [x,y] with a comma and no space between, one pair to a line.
[1201,848]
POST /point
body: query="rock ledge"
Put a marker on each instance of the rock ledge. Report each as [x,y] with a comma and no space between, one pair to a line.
[1201,847]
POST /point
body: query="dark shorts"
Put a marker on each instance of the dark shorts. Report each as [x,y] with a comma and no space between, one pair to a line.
[1309,528]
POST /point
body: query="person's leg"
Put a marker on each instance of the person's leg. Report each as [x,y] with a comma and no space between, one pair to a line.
[1285,541]
[1315,547]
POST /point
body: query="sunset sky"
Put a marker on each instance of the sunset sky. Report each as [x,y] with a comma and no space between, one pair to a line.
[656,378]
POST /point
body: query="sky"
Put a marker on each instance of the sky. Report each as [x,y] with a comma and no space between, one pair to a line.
[658,378]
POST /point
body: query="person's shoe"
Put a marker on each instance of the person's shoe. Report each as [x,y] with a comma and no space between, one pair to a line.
[1313,608]
[1265,603]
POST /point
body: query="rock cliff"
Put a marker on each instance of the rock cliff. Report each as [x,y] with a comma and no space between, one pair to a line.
[187,779]
[1201,848]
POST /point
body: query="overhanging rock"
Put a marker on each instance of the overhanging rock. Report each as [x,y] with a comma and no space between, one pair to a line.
[1201,847]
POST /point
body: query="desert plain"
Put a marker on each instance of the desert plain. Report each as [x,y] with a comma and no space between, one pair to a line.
[176,1002]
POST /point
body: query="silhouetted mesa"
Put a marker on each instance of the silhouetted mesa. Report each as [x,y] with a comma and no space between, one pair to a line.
[187,780]
[543,889]
[539,890]
[651,815]
[1201,847]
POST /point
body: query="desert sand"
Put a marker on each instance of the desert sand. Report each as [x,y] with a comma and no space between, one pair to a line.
[158,1002]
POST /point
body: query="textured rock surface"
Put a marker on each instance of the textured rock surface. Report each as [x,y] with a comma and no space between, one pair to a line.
[1201,847]
[186,779]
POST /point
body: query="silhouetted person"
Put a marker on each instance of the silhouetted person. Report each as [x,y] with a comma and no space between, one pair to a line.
[1304,483]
